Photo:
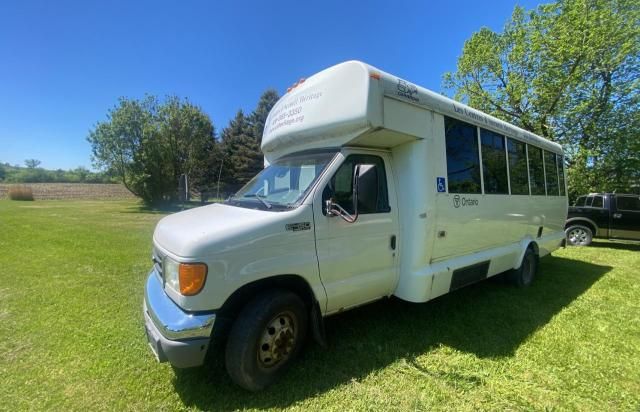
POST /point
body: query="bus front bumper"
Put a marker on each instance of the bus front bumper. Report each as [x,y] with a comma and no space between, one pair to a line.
[175,336]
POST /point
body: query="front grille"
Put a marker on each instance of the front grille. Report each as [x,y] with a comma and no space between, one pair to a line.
[157,258]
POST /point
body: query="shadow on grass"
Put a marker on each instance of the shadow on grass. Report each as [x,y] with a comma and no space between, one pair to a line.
[488,319]
[617,244]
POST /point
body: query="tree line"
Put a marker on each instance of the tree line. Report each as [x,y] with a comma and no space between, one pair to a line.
[32,173]
[149,143]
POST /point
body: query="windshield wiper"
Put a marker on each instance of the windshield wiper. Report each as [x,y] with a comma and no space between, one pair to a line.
[260,198]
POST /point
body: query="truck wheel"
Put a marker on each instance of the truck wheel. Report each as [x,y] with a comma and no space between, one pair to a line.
[578,235]
[267,335]
[524,275]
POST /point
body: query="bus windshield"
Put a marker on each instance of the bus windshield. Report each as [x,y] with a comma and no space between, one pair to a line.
[284,183]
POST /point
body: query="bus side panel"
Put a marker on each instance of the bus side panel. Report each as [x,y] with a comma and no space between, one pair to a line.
[413,166]
[462,230]
[469,223]
[500,259]
[552,211]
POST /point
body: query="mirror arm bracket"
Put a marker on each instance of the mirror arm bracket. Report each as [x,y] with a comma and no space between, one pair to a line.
[334,209]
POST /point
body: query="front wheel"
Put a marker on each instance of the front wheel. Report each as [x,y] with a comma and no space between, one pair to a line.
[578,235]
[267,335]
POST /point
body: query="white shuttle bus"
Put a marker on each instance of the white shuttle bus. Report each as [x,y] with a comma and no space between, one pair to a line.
[375,187]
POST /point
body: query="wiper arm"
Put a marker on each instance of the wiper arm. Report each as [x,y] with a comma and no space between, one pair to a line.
[260,198]
[264,201]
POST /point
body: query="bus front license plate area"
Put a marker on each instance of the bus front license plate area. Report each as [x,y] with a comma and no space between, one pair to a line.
[154,344]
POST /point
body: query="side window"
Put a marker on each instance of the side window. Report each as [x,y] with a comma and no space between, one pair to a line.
[563,185]
[494,163]
[463,162]
[518,167]
[340,187]
[588,202]
[630,203]
[597,202]
[551,167]
[580,201]
[536,171]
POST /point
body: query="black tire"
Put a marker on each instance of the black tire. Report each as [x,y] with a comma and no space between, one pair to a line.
[579,235]
[265,338]
[524,275]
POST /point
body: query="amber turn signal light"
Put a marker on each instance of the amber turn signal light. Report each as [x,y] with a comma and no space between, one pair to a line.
[192,277]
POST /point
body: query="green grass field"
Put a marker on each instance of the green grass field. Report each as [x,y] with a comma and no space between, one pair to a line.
[71,334]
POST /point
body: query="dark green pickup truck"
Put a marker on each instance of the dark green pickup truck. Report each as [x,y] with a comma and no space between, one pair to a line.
[603,215]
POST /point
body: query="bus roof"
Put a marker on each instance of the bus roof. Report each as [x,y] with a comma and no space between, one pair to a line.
[339,104]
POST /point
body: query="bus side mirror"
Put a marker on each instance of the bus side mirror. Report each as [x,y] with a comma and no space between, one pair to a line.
[364,194]
[365,188]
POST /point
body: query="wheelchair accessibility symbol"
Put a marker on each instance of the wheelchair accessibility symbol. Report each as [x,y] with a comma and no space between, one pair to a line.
[440,184]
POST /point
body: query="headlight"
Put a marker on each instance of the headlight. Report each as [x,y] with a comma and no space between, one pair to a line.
[170,270]
[186,278]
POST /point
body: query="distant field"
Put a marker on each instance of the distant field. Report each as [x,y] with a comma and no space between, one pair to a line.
[72,191]
[71,334]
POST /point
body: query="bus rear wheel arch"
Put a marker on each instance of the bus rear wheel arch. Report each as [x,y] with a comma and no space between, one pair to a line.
[524,275]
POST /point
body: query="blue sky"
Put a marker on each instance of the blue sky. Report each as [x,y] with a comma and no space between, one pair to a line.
[63,64]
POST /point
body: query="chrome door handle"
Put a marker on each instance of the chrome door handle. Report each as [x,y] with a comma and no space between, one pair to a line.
[617,215]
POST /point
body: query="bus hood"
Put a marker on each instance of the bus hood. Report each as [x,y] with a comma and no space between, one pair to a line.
[207,230]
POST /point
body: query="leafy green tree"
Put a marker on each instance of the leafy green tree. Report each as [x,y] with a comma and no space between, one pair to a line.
[3,173]
[80,173]
[148,144]
[189,138]
[568,71]
[32,163]
[117,144]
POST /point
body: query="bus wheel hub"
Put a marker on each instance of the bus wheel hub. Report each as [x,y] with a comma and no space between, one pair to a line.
[278,340]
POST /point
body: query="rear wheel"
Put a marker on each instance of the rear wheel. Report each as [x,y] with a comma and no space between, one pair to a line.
[267,335]
[524,275]
[578,235]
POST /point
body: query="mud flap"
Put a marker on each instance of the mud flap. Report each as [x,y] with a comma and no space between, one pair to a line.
[317,326]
